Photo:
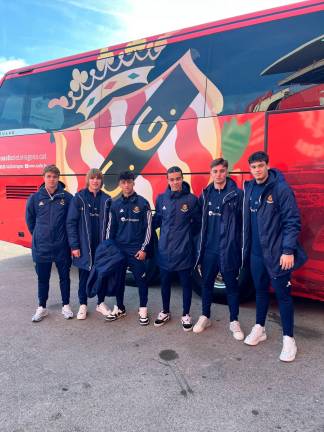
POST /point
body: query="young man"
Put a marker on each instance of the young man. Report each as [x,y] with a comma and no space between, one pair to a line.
[220,248]
[46,213]
[130,225]
[271,228]
[86,227]
[178,216]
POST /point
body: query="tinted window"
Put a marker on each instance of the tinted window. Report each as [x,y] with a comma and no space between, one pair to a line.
[11,104]
[33,101]
[169,82]
[239,57]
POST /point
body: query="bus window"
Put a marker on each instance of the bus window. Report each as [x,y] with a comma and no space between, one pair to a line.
[240,57]
[11,104]
[41,117]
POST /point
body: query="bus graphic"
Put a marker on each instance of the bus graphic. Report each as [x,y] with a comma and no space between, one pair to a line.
[227,88]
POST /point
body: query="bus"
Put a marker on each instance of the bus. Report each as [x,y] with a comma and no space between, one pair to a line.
[226,88]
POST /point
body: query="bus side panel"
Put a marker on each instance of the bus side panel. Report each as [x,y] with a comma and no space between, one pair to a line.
[295,145]
[20,158]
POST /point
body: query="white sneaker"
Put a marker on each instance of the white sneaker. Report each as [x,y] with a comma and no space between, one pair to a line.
[257,335]
[39,314]
[143,316]
[82,314]
[186,322]
[201,324]
[67,312]
[289,349]
[102,308]
[235,328]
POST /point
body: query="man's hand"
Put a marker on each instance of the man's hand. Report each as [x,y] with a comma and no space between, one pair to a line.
[140,255]
[76,253]
[287,262]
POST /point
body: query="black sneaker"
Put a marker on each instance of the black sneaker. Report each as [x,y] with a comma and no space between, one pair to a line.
[115,314]
[161,319]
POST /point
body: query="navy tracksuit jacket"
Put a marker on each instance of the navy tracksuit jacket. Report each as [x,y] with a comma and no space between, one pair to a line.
[230,225]
[130,223]
[178,216]
[278,223]
[45,217]
[78,225]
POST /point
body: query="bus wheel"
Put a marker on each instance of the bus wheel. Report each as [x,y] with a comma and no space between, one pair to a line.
[219,293]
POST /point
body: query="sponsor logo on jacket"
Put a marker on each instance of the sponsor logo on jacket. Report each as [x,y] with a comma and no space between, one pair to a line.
[123,219]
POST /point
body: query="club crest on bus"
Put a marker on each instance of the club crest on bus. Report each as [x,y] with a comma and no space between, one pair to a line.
[151,115]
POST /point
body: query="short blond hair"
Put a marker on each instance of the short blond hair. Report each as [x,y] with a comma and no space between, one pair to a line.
[94,173]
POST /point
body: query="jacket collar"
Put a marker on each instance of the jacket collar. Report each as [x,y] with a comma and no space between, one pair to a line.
[131,198]
[59,191]
[229,187]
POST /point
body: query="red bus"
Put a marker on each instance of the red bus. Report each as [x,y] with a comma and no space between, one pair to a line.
[183,98]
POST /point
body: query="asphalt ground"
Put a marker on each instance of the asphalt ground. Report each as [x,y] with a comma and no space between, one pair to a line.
[84,376]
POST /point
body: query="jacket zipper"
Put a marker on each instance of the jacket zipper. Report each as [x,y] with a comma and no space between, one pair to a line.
[229,193]
[104,221]
[243,219]
[201,231]
[86,223]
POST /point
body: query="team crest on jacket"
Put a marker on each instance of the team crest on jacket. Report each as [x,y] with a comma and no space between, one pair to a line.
[136,209]
[41,203]
[270,199]
[184,208]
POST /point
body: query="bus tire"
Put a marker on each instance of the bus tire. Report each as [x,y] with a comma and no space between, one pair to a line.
[246,287]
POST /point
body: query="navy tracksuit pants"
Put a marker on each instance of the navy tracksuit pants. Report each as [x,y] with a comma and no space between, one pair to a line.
[82,293]
[43,270]
[282,287]
[210,266]
[138,269]
[185,282]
